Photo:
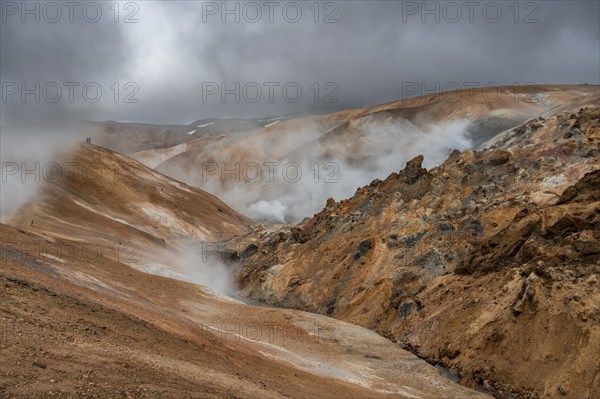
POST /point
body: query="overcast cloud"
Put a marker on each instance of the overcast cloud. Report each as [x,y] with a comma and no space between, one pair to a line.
[176,49]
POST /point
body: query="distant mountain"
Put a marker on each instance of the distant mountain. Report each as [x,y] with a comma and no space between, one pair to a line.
[338,152]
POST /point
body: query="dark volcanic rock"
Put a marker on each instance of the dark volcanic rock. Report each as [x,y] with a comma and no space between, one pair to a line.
[413,171]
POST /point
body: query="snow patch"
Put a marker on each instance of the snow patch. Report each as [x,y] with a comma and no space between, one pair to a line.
[272,123]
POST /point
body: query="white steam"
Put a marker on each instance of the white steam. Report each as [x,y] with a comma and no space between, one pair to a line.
[203,264]
[330,165]
[268,210]
[30,158]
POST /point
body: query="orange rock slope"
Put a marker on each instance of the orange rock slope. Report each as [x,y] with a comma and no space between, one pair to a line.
[487,264]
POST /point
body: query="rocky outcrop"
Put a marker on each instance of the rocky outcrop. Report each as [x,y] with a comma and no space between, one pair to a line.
[486,264]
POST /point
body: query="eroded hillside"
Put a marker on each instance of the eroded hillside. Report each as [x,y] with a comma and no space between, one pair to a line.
[487,264]
[83,315]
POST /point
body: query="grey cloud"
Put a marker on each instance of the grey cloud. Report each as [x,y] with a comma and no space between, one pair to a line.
[369,53]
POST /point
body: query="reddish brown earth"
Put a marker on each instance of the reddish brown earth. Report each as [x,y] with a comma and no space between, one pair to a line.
[118,197]
[78,320]
[487,264]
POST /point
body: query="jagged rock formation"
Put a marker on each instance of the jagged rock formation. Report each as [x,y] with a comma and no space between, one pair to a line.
[487,264]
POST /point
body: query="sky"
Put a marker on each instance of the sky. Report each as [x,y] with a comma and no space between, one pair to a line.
[180,61]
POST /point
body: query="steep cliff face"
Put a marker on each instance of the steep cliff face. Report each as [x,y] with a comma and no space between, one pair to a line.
[487,264]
